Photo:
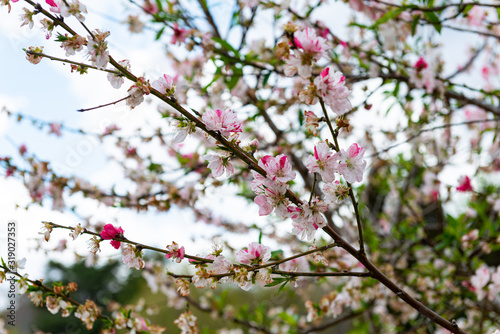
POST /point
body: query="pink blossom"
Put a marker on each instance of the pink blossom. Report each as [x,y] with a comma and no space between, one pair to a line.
[183,127]
[310,43]
[464,184]
[271,195]
[132,257]
[179,35]
[110,129]
[10,171]
[136,96]
[150,8]
[331,88]
[55,5]
[22,149]
[420,64]
[221,265]
[310,48]
[72,44]
[97,48]
[55,128]
[33,58]
[323,162]
[351,164]
[309,219]
[224,121]
[255,254]
[479,281]
[423,74]
[335,192]
[75,8]
[187,323]
[312,122]
[175,252]
[117,81]
[309,95]
[277,168]
[164,85]
[476,16]
[220,163]
[110,232]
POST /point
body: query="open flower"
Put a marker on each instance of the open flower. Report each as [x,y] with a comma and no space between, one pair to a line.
[164,85]
[221,265]
[110,232]
[351,163]
[224,121]
[117,81]
[331,88]
[323,162]
[132,257]
[175,252]
[254,254]
[220,163]
[464,184]
[277,168]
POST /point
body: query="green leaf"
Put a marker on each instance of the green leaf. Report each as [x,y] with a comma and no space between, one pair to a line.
[498,13]
[281,287]
[276,254]
[288,318]
[414,24]
[434,19]
[396,89]
[159,33]
[276,281]
[388,16]
[301,117]
[266,78]
[260,237]
[467,9]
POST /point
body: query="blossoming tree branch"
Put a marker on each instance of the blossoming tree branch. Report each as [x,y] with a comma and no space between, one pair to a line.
[345,140]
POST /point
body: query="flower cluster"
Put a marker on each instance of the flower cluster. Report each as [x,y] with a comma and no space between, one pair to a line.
[349,164]
[486,283]
[224,121]
[271,189]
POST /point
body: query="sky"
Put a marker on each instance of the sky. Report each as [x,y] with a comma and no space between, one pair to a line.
[48,91]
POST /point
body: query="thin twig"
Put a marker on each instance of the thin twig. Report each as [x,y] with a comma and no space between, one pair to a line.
[104,105]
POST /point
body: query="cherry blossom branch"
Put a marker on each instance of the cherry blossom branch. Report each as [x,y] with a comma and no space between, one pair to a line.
[105,105]
[41,54]
[328,122]
[358,220]
[351,194]
[56,20]
[196,258]
[209,17]
[125,240]
[418,133]
[323,274]
[484,33]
